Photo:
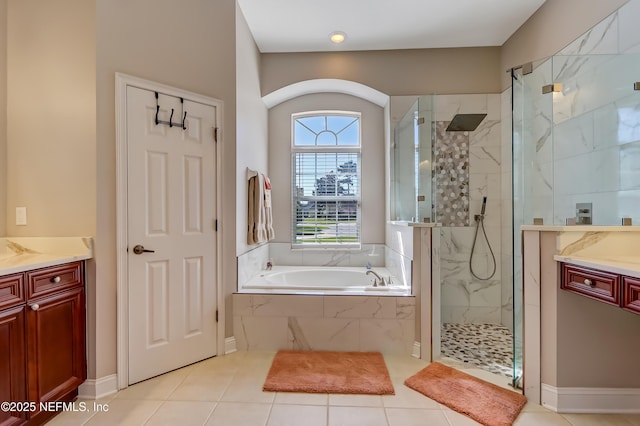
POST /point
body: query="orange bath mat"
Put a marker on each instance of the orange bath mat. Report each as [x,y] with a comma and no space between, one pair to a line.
[329,372]
[484,402]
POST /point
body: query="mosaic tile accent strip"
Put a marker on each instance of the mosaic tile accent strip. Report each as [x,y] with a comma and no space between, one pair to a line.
[451,176]
[486,346]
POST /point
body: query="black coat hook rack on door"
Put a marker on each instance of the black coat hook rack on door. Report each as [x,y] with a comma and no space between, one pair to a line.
[182,125]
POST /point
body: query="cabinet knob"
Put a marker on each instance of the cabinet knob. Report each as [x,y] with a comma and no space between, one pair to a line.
[55,279]
[35,307]
[587,281]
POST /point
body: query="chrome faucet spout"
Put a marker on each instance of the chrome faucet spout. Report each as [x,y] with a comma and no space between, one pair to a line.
[380,279]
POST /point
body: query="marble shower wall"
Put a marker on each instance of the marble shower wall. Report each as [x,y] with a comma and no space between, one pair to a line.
[465,299]
[587,136]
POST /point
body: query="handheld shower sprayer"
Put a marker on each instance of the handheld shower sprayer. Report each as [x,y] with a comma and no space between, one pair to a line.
[479,217]
[480,224]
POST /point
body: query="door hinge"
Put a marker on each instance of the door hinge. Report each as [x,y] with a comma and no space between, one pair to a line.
[215,133]
[215,225]
[216,315]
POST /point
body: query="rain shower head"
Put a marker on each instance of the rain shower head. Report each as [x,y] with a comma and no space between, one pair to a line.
[465,122]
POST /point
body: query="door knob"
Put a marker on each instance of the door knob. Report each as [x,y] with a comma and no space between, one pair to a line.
[140,249]
[35,307]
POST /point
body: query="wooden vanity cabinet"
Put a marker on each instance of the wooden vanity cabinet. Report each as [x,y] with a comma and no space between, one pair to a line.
[13,363]
[45,337]
[599,285]
[614,289]
[631,294]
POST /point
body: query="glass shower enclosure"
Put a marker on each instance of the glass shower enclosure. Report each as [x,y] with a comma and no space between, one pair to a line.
[411,153]
[576,148]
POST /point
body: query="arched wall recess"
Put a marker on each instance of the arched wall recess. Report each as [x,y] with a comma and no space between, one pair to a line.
[325,85]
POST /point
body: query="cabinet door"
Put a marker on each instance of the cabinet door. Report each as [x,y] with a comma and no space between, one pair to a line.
[631,294]
[13,367]
[56,358]
[599,285]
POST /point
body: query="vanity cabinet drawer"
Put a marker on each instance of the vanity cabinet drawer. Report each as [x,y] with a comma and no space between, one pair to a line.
[631,294]
[45,281]
[11,290]
[597,285]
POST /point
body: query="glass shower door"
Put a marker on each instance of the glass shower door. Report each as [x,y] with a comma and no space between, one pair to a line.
[411,198]
[532,190]
[424,154]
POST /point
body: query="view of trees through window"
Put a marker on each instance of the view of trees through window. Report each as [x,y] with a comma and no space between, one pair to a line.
[326,187]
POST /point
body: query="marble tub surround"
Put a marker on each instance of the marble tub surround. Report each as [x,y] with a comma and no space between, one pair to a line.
[337,323]
[19,254]
[251,263]
[320,280]
[283,254]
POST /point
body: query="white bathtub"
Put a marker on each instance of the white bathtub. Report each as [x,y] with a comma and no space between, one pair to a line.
[322,280]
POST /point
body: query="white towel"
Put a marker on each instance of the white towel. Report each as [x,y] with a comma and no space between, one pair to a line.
[260,219]
[268,214]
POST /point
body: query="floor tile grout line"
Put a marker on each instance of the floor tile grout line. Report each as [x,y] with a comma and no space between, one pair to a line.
[154,412]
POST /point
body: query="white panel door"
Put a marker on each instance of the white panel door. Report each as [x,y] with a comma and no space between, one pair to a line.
[171,215]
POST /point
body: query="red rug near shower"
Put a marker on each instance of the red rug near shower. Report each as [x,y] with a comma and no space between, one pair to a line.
[484,402]
[329,372]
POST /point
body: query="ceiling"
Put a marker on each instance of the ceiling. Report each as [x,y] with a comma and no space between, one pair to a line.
[305,25]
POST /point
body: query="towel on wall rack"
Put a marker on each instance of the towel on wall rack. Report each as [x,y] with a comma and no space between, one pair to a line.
[260,218]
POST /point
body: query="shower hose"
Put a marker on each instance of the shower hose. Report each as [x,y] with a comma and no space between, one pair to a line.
[480,224]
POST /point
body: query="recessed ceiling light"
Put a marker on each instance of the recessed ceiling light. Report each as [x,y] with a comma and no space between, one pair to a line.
[337,37]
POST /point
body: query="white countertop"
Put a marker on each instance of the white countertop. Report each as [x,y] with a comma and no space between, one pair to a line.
[414,224]
[624,265]
[580,228]
[21,254]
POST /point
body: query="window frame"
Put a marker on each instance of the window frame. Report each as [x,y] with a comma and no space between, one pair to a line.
[326,149]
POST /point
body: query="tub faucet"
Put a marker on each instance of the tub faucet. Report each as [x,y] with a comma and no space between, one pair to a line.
[269,265]
[375,282]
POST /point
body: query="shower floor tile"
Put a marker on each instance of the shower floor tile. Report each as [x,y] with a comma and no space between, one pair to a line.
[486,346]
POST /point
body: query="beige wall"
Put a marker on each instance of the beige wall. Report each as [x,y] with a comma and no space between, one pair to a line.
[372,160]
[3,117]
[584,343]
[190,46]
[556,24]
[251,123]
[598,344]
[51,117]
[393,72]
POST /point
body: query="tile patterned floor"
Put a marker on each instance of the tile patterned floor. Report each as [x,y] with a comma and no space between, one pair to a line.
[227,390]
[486,346]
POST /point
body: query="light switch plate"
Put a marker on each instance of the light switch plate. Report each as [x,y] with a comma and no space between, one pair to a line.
[21,215]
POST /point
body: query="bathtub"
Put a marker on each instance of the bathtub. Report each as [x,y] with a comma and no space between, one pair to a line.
[328,280]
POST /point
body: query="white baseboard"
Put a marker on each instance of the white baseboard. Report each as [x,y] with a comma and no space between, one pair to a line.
[591,400]
[230,345]
[98,388]
[416,350]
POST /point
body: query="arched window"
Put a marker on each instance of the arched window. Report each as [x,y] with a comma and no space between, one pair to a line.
[326,178]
